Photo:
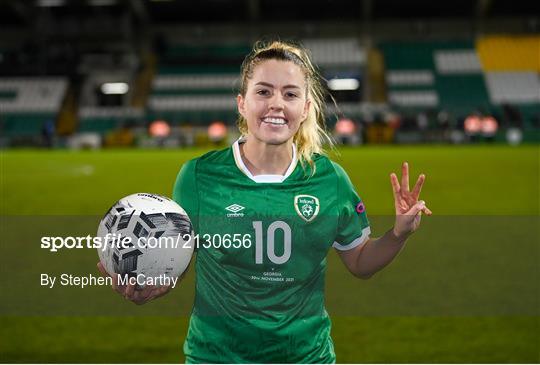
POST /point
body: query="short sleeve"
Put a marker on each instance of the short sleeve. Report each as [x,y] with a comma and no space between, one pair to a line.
[185,192]
[353,225]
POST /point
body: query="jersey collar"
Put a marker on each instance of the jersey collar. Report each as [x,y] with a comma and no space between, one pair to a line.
[262,178]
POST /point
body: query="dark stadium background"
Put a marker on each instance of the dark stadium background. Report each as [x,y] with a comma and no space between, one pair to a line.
[103,98]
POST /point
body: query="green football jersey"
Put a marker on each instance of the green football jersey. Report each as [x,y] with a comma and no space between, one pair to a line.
[261,244]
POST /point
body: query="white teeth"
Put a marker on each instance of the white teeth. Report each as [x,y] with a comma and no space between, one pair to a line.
[277,121]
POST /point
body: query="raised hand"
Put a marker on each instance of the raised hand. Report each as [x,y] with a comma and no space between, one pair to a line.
[408,208]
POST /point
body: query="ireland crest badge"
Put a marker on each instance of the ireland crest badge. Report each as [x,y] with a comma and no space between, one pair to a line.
[307,207]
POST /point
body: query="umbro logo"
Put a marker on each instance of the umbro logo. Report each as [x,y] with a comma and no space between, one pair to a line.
[235,210]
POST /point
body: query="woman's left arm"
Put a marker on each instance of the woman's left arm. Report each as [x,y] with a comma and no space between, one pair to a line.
[365,260]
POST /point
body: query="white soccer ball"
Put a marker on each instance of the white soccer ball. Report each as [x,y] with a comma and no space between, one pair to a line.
[158,233]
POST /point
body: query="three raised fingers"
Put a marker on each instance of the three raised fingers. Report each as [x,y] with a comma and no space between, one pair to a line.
[403,198]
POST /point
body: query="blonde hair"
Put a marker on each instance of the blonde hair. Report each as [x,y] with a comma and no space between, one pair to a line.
[312,134]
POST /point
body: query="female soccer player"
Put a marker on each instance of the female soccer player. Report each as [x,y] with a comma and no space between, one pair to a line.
[266,212]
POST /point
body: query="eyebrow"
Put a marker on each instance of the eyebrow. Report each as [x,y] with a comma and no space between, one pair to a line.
[285,87]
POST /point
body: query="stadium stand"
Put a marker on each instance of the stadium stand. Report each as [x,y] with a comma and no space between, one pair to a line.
[402,73]
[511,66]
[182,88]
[196,84]
[509,53]
[434,74]
[103,119]
[29,104]
[464,77]
[32,94]
[336,52]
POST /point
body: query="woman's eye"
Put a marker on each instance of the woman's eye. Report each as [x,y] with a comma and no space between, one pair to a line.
[263,92]
[291,95]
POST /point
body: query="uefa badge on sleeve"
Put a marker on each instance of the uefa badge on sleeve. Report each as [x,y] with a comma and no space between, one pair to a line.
[360,208]
[307,207]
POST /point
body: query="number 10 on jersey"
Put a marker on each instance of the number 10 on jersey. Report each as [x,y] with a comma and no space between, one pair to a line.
[270,239]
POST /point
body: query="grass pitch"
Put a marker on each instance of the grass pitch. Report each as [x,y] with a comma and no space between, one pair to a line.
[465,289]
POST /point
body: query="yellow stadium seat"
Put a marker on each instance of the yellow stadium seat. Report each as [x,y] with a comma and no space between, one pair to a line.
[509,53]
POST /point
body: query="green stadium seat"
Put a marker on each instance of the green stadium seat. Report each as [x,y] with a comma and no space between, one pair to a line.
[24,125]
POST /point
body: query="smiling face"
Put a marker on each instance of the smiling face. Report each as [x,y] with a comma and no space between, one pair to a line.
[275,103]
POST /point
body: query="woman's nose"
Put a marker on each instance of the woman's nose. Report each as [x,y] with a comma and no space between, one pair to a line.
[276,102]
